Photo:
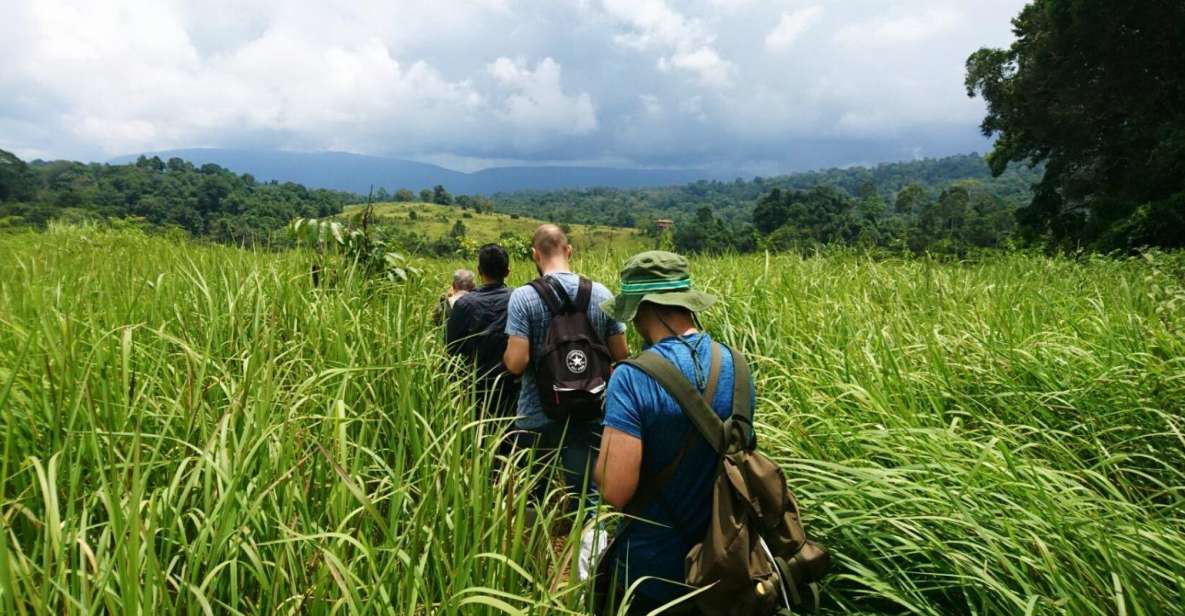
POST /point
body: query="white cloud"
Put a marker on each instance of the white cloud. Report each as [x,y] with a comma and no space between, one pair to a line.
[653,81]
[711,70]
[791,26]
[537,102]
[731,5]
[656,25]
[130,78]
[901,29]
[651,104]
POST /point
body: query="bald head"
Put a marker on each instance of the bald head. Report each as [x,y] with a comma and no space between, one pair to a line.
[550,241]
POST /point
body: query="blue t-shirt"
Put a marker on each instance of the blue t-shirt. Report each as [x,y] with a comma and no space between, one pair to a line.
[528,317]
[637,405]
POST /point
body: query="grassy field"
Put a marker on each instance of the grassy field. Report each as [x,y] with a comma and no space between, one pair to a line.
[194,429]
[436,221]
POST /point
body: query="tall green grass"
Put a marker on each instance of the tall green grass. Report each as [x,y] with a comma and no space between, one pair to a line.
[195,429]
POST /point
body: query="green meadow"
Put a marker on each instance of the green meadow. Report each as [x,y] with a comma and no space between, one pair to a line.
[197,429]
[436,221]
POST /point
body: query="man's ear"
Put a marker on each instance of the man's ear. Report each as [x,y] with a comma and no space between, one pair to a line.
[568,252]
[534,254]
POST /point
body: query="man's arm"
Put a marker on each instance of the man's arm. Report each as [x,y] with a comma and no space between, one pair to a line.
[617,348]
[518,331]
[517,354]
[618,466]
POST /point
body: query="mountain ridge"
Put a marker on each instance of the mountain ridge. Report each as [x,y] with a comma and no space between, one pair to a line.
[357,172]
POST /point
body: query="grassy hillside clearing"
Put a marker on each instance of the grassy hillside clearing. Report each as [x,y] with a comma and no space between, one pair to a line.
[436,221]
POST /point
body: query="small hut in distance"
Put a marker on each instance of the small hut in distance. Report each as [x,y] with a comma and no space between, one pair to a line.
[662,224]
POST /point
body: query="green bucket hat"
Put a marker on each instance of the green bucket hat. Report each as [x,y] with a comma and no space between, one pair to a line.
[659,277]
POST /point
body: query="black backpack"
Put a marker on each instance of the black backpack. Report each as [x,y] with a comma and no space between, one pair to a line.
[573,369]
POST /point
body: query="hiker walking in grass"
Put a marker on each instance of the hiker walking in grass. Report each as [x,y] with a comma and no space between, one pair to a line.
[476,331]
[675,416]
[462,284]
[562,344]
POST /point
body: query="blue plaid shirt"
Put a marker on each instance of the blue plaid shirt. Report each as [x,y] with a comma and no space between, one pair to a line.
[527,317]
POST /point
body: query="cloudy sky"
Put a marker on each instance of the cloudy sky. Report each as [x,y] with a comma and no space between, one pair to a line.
[761,85]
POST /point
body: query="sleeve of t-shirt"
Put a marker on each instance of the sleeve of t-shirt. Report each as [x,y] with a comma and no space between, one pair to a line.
[623,405]
[518,315]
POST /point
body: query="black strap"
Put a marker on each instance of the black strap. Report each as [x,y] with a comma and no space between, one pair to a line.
[709,424]
[562,294]
[583,295]
[551,292]
[545,295]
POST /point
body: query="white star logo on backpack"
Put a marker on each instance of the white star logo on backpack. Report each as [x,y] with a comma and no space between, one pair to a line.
[576,361]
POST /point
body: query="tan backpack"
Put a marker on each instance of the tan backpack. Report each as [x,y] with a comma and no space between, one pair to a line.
[755,555]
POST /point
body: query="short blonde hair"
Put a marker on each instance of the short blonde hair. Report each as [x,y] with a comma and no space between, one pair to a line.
[549,240]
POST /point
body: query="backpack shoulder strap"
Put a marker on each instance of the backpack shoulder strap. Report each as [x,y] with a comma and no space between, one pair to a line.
[741,403]
[655,483]
[583,295]
[671,378]
[547,296]
[738,430]
[561,293]
[713,374]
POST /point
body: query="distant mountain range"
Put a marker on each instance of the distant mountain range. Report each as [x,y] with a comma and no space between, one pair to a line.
[356,173]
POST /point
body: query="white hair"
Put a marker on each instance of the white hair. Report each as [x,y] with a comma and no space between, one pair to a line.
[463,280]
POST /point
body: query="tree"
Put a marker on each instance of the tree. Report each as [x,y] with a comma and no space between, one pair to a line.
[911,200]
[458,231]
[154,164]
[1092,89]
[771,212]
[16,182]
[441,196]
[213,189]
[404,195]
[426,196]
[211,200]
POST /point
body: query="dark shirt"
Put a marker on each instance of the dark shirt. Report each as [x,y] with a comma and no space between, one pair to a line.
[476,331]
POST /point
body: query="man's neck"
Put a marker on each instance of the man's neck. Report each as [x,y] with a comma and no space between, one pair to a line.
[555,267]
[681,328]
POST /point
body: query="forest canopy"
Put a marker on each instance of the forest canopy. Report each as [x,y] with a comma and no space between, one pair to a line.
[1095,91]
[950,204]
[205,201]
